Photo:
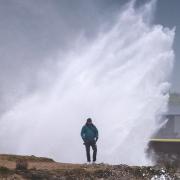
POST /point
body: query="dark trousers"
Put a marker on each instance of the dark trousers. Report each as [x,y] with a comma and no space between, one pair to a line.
[92,144]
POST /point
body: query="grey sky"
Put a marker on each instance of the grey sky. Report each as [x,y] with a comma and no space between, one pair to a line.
[32,30]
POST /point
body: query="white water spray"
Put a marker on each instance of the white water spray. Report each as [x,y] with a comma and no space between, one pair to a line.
[119,80]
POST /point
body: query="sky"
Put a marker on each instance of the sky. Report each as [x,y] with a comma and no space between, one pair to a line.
[33,32]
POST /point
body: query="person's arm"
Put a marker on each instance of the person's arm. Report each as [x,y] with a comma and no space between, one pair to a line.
[97,134]
[83,133]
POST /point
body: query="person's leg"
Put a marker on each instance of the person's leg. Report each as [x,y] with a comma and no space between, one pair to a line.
[88,152]
[94,147]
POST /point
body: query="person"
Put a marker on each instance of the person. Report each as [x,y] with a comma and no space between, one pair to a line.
[89,134]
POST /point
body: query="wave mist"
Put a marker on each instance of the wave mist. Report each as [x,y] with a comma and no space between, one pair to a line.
[120,80]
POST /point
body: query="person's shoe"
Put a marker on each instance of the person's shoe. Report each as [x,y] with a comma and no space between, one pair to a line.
[94,162]
[88,163]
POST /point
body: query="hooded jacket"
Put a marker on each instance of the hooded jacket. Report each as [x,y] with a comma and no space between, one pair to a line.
[89,132]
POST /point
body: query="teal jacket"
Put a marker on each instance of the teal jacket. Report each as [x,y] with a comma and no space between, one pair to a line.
[89,133]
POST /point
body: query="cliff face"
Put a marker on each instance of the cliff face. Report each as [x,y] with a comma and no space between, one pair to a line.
[44,168]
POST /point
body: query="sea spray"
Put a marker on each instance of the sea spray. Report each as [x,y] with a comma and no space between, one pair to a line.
[120,80]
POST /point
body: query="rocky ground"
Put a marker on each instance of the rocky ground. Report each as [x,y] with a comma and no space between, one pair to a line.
[36,168]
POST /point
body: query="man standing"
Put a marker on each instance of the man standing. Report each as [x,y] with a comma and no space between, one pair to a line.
[89,134]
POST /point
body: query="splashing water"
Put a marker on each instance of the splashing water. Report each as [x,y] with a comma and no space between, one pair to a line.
[120,80]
